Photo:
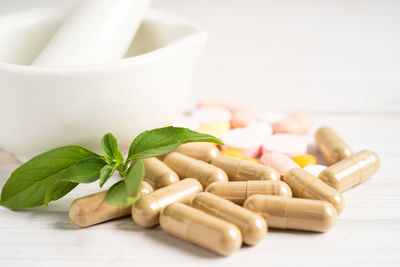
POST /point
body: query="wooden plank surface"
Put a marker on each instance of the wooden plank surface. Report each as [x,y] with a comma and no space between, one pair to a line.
[338,59]
[367,232]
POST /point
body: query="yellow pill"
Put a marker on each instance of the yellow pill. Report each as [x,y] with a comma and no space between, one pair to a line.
[146,211]
[252,225]
[200,228]
[93,209]
[305,160]
[293,213]
[233,152]
[252,159]
[216,128]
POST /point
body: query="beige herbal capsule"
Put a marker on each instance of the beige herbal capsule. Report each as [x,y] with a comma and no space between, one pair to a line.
[244,170]
[146,211]
[186,167]
[200,228]
[306,185]
[293,213]
[157,174]
[331,145]
[252,225]
[239,191]
[351,171]
[199,150]
[93,209]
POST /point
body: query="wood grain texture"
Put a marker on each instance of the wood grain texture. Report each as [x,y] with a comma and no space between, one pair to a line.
[338,59]
[367,232]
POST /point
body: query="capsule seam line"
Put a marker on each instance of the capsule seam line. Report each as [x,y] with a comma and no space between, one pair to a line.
[247,189]
[359,170]
[286,213]
[238,170]
[304,187]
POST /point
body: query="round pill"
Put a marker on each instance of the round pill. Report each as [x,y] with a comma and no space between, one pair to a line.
[289,144]
[216,128]
[246,140]
[305,160]
[295,124]
[211,114]
[314,169]
[280,162]
[244,116]
[272,117]
[237,153]
[186,122]
[260,128]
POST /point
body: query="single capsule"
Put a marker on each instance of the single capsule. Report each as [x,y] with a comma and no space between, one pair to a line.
[293,213]
[306,185]
[200,228]
[238,192]
[146,210]
[251,225]
[331,145]
[244,170]
[186,167]
[93,209]
[351,171]
[199,150]
[157,174]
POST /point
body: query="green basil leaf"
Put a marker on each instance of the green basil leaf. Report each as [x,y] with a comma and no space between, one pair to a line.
[105,173]
[27,185]
[109,145]
[84,171]
[126,192]
[63,189]
[161,141]
[117,195]
[133,179]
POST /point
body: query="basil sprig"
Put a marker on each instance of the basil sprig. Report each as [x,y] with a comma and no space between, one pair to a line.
[53,174]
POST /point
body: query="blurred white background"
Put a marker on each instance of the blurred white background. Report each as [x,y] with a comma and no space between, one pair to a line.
[331,56]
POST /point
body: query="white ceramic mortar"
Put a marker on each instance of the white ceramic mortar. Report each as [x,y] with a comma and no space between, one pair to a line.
[43,108]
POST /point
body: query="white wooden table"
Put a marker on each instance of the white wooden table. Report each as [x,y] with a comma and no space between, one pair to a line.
[340,60]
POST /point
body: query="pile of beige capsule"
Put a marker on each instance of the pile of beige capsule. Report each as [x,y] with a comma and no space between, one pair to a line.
[222,199]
